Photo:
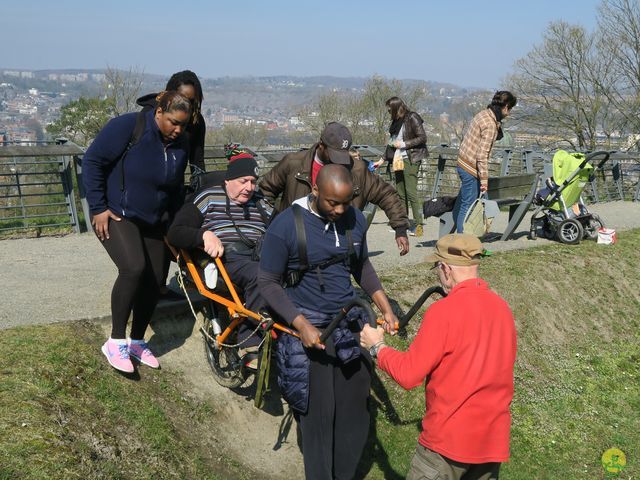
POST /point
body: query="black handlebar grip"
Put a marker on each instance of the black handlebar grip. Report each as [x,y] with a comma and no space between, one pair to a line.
[423,298]
[356,302]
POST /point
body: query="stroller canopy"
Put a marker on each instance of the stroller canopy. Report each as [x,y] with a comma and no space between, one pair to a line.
[574,168]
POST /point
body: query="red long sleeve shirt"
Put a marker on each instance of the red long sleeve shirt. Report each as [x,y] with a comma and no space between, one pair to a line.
[465,349]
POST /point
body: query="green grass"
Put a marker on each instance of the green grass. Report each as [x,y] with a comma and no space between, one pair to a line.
[577,393]
[63,415]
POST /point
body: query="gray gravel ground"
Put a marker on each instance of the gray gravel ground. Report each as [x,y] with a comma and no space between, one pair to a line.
[54,279]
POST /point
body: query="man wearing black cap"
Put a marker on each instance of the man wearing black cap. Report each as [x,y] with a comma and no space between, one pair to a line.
[293,177]
[226,220]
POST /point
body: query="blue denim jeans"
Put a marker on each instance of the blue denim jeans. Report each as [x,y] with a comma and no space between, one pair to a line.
[469,191]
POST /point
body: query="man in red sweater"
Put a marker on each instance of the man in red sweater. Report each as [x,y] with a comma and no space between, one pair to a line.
[465,349]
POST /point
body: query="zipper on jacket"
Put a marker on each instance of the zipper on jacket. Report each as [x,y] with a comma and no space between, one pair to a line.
[166,162]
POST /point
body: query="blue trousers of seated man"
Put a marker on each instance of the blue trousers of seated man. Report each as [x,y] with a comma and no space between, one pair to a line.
[243,272]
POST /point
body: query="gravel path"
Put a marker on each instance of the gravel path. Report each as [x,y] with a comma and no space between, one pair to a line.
[53,279]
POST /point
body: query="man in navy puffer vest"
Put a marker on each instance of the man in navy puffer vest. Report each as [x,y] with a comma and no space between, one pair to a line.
[327,385]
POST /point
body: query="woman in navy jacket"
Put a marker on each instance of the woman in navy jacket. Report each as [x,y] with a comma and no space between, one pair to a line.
[133,187]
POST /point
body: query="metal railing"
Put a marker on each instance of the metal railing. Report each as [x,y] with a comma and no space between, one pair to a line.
[41,185]
[37,187]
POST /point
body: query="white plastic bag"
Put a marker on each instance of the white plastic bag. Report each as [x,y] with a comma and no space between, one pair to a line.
[607,236]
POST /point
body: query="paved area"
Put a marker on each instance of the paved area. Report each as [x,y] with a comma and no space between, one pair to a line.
[54,279]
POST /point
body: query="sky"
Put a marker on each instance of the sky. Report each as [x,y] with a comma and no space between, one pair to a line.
[469,43]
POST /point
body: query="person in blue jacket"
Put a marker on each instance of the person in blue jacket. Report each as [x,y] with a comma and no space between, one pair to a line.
[326,385]
[133,188]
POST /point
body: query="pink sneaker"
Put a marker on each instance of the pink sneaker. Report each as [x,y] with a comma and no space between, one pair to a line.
[118,356]
[141,352]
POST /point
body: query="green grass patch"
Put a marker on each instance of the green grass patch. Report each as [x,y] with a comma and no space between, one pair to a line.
[64,415]
[577,393]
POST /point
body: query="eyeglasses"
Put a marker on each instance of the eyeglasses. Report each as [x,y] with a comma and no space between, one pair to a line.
[436,265]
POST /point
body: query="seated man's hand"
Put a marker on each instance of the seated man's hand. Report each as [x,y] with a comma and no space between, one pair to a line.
[369,336]
[212,244]
[309,335]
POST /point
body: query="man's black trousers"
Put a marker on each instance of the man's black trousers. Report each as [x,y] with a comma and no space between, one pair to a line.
[335,428]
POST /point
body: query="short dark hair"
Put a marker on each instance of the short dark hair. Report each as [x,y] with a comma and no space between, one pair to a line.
[503,98]
[187,77]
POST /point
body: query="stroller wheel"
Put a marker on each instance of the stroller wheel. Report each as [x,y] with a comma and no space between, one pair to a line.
[570,231]
[592,226]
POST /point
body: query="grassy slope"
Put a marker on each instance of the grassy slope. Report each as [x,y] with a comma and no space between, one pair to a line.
[64,415]
[577,311]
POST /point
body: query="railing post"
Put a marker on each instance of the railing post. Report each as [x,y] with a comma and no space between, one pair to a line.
[77,162]
[616,173]
[505,165]
[69,193]
[527,156]
[438,178]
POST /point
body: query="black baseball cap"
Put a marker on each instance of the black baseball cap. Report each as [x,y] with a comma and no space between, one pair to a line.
[337,138]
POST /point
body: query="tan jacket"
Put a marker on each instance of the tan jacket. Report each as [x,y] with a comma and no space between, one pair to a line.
[473,156]
[291,178]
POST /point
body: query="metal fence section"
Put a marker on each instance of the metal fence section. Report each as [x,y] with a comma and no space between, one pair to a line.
[41,185]
[37,187]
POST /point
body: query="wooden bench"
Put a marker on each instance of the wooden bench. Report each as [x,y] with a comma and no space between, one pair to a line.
[516,192]
[513,191]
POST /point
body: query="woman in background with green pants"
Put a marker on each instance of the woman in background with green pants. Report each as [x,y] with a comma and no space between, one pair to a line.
[410,140]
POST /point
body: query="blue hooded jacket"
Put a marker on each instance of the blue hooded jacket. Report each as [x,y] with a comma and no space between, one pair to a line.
[153,171]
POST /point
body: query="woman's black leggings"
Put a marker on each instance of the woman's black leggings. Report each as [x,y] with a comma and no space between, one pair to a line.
[138,251]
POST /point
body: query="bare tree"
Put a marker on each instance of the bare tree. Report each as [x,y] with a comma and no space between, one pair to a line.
[618,44]
[249,135]
[331,107]
[363,112]
[123,87]
[376,91]
[556,88]
[459,116]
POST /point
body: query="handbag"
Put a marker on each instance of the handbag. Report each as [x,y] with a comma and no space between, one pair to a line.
[398,161]
[476,221]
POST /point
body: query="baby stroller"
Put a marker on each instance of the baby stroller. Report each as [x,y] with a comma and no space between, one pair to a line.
[561,212]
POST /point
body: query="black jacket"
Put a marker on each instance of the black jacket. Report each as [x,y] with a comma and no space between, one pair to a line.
[194,133]
[415,138]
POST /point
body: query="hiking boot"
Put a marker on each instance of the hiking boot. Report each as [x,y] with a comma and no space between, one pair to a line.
[249,356]
[140,351]
[118,355]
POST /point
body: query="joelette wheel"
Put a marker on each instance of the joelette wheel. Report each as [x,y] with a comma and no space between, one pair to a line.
[225,362]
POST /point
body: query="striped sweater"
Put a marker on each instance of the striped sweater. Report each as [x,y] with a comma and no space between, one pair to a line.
[209,211]
[473,156]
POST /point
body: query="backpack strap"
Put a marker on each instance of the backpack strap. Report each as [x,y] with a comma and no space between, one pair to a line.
[301,237]
[263,212]
[136,135]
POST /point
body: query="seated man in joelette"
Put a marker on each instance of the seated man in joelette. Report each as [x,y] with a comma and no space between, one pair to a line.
[227,220]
